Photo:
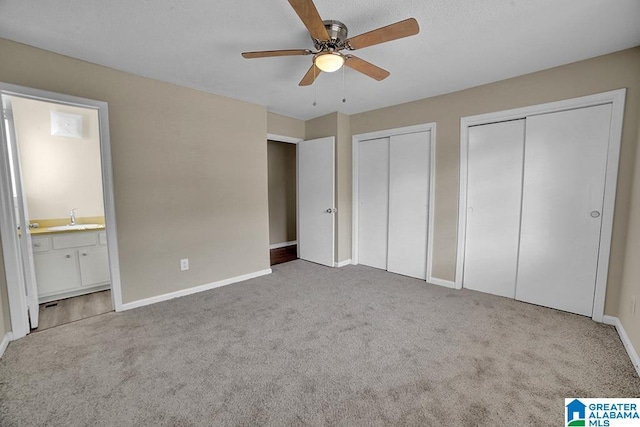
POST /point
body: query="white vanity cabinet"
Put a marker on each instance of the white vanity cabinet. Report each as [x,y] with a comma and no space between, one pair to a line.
[70,264]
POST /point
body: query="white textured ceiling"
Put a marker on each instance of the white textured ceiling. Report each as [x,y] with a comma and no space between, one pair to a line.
[197,43]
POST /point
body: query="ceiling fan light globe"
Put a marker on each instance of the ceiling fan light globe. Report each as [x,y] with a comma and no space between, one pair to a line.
[329,61]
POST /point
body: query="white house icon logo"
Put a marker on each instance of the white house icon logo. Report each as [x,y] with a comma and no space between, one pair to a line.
[576,413]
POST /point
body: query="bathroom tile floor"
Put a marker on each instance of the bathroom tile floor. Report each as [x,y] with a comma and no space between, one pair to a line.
[56,313]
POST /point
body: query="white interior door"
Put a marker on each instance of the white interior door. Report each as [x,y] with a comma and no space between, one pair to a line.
[494,194]
[373,209]
[316,209]
[26,250]
[564,177]
[409,174]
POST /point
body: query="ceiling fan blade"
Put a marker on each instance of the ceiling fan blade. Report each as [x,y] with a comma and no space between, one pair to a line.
[366,68]
[310,17]
[310,77]
[269,53]
[406,28]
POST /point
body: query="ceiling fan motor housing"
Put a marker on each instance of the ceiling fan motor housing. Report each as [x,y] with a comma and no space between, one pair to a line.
[337,35]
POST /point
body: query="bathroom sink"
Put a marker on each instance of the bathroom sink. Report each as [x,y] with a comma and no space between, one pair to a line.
[75,227]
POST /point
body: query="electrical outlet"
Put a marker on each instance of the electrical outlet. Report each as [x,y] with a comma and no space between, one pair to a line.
[633,305]
[184,264]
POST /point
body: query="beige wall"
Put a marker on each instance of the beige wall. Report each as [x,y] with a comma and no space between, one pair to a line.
[285,126]
[630,287]
[58,173]
[344,196]
[282,191]
[190,171]
[614,71]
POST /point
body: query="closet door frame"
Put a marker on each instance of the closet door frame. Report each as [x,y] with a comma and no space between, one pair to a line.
[388,133]
[616,98]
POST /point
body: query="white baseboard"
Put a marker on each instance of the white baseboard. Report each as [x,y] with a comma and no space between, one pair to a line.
[5,342]
[633,355]
[342,263]
[283,245]
[194,290]
[441,282]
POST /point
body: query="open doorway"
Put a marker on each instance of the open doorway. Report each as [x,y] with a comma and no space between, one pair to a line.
[58,231]
[282,201]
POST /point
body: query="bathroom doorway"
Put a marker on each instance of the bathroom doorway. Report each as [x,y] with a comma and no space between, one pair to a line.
[57,236]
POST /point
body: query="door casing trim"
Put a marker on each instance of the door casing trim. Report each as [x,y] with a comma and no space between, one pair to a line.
[388,133]
[17,297]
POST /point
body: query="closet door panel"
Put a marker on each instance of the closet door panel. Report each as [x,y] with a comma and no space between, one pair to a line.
[373,209]
[494,194]
[564,176]
[409,164]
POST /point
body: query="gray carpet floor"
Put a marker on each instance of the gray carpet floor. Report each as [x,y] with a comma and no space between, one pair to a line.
[310,345]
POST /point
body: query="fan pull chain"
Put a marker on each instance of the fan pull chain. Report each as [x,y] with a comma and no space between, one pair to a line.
[344,96]
[315,86]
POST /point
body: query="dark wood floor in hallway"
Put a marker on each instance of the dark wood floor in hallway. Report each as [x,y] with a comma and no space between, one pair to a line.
[285,254]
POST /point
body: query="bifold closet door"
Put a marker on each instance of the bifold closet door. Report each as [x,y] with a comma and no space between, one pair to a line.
[409,174]
[373,195]
[494,193]
[564,177]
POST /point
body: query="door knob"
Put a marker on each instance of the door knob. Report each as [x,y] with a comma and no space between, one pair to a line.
[67,256]
[594,214]
[331,210]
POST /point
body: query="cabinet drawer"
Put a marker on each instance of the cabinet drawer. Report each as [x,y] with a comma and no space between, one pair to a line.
[74,240]
[40,244]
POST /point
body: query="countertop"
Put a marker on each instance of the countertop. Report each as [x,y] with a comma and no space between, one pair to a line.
[44,225]
[43,230]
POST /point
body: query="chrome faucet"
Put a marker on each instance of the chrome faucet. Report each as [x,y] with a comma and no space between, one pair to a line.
[73,216]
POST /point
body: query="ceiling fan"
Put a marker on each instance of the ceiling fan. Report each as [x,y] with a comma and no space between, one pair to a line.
[330,38]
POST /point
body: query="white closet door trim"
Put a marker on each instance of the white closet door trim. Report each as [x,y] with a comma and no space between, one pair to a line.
[617,99]
[354,202]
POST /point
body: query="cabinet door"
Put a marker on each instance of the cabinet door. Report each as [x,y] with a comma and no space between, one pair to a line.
[56,271]
[409,174]
[494,194]
[94,266]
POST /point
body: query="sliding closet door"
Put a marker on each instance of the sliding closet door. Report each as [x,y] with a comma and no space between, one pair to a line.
[373,195]
[494,194]
[409,161]
[564,176]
